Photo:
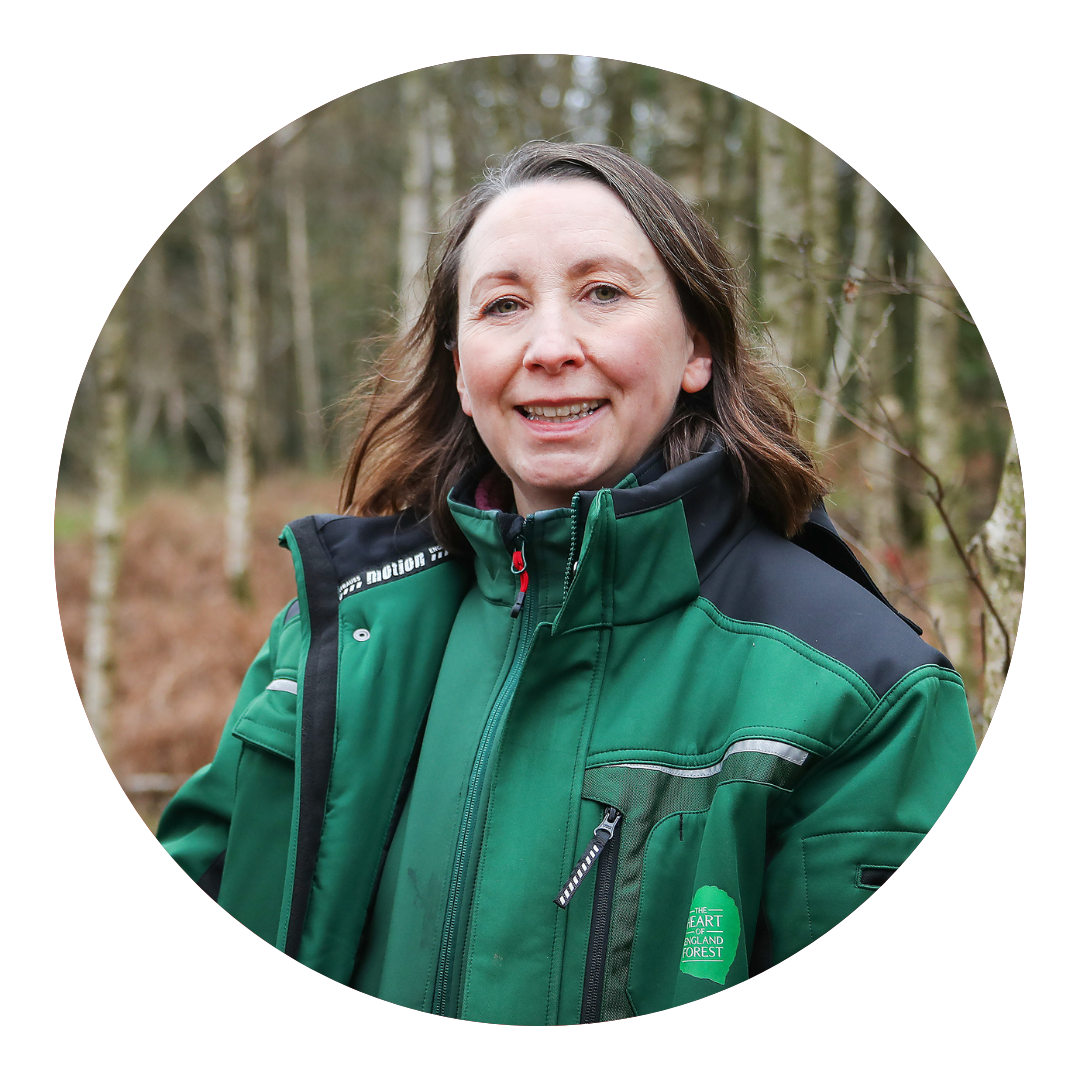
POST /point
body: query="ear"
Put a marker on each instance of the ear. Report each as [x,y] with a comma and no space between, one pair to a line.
[463,393]
[698,369]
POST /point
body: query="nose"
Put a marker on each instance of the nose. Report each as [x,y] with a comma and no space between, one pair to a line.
[553,344]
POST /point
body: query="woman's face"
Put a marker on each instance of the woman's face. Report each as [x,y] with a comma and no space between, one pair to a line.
[571,345]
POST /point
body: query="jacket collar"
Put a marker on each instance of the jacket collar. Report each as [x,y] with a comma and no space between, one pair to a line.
[494,535]
[616,555]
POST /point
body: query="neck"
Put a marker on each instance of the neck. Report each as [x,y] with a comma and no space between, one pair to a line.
[529,501]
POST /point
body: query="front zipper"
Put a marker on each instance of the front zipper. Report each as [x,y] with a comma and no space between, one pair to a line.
[525,605]
[572,557]
[519,567]
[592,993]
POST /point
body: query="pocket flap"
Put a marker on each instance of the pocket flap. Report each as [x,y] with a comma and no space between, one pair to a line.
[842,869]
[269,722]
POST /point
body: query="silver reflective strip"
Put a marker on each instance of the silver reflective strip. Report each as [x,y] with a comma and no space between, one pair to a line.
[795,754]
[690,774]
[288,685]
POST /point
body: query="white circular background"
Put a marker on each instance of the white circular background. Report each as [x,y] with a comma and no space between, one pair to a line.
[117,114]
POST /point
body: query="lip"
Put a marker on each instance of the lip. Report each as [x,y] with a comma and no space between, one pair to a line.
[556,402]
[564,427]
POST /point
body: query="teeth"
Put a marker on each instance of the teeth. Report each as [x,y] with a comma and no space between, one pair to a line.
[561,412]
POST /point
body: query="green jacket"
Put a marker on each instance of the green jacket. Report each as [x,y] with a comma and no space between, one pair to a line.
[685,750]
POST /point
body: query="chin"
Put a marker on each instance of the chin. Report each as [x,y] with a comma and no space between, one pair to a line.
[559,475]
[565,482]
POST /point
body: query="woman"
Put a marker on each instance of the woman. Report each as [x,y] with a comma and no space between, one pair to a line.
[584,633]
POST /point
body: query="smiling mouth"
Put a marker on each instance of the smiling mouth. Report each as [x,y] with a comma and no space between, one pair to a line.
[561,414]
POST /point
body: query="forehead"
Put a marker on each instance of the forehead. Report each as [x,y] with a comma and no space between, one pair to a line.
[550,221]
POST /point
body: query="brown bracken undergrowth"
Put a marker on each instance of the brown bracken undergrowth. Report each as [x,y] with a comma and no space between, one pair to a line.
[182,641]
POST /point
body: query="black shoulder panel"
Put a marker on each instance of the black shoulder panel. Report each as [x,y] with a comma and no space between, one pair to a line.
[765,578]
[820,538]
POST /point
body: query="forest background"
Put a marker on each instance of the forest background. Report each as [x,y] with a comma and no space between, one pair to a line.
[210,413]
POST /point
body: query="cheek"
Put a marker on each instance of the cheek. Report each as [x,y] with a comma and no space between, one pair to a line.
[479,382]
[648,367]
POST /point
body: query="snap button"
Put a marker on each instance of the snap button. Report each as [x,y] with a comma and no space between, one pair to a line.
[361,634]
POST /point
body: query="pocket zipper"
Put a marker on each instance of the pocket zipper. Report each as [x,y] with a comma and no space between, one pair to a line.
[601,835]
[603,850]
[592,990]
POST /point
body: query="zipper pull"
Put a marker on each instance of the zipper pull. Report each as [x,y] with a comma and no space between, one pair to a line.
[517,565]
[601,835]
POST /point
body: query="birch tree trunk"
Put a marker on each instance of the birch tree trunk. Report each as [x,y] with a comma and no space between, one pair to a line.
[213,279]
[110,465]
[303,324]
[845,352]
[1000,552]
[879,511]
[442,156]
[620,81]
[741,172]
[415,218]
[781,215]
[937,335]
[873,364]
[154,380]
[239,388]
[684,117]
[821,230]
[716,127]
[586,115]
[427,189]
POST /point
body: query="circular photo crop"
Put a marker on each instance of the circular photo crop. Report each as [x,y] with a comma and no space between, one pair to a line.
[540,540]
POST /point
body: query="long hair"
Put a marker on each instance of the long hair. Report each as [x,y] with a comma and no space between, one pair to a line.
[415,442]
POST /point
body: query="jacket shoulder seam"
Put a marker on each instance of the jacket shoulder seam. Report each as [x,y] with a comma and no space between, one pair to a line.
[276,628]
[796,644]
[891,698]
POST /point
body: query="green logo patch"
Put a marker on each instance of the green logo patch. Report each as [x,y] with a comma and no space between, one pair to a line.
[712,935]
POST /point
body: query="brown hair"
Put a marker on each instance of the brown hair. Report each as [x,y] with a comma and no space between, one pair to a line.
[415,443]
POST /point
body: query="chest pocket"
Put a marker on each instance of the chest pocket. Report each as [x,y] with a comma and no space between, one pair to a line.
[257,853]
[683,829]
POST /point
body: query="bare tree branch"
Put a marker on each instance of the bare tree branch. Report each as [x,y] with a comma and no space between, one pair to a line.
[936,494]
[893,582]
[893,284]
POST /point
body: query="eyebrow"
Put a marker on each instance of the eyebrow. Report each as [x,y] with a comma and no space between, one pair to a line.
[590,263]
[581,268]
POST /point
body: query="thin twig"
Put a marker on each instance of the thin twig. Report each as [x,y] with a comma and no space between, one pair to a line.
[906,286]
[937,497]
[857,358]
[897,584]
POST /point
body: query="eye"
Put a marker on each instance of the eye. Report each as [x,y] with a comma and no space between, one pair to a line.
[505,305]
[605,294]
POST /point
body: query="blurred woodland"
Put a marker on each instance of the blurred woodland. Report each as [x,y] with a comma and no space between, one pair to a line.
[207,417]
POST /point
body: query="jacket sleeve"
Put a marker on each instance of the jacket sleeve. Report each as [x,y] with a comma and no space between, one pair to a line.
[863,809]
[194,827]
